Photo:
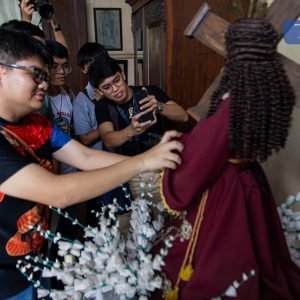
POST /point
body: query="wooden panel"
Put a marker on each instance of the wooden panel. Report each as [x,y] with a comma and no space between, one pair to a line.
[211,32]
[202,107]
[155,55]
[137,4]
[191,66]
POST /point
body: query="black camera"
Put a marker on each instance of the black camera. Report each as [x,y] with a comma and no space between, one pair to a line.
[44,8]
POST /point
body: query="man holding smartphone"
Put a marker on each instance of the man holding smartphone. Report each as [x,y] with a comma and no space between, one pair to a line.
[130,119]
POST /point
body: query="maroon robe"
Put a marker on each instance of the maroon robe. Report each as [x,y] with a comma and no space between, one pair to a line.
[241,229]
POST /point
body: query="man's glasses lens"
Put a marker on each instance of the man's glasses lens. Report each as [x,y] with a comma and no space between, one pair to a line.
[39,76]
[65,68]
[116,82]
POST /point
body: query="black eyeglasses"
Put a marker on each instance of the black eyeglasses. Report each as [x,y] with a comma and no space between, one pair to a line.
[66,68]
[38,75]
[117,82]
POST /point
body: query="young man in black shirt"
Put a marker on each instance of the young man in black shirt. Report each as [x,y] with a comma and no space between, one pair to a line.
[119,113]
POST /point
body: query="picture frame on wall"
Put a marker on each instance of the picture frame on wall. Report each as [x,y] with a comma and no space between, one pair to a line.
[123,63]
[108,28]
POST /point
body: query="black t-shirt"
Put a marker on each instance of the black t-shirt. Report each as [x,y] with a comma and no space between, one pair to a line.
[17,238]
[108,111]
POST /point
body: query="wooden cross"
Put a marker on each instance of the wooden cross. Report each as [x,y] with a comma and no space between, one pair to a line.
[210,29]
[283,168]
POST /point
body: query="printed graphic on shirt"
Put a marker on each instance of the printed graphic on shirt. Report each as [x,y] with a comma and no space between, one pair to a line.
[26,139]
[27,239]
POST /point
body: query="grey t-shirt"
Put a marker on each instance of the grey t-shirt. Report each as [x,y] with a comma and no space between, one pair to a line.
[84,114]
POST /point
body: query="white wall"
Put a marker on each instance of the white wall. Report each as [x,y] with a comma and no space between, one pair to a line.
[283,168]
[128,51]
[9,10]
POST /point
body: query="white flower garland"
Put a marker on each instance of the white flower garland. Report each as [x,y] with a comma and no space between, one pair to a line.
[290,220]
[105,261]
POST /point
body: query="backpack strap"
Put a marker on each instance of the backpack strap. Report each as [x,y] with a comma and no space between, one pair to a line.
[114,116]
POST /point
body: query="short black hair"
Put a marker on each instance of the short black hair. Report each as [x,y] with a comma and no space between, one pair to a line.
[102,68]
[16,46]
[57,49]
[25,27]
[89,52]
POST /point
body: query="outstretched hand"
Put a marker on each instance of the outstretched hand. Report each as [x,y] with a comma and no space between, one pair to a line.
[164,155]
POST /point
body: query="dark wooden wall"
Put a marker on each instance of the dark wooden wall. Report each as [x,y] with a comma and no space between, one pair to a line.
[189,76]
[71,14]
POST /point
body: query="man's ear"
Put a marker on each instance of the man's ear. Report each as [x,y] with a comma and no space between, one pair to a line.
[123,76]
[100,92]
[84,69]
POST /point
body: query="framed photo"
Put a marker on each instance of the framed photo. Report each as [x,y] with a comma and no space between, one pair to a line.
[108,28]
[123,63]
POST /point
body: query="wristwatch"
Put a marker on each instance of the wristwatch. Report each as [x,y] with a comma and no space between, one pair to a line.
[57,28]
[160,107]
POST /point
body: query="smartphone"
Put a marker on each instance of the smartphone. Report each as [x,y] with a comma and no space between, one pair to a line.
[139,95]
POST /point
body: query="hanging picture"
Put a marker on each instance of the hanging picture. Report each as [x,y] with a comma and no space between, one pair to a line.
[108,28]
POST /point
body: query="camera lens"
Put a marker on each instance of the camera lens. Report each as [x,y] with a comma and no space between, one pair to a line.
[46,11]
[44,8]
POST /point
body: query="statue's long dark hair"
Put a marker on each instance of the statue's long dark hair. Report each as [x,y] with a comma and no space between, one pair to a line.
[261,97]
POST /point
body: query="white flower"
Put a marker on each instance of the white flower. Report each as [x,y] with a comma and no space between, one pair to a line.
[81,284]
[42,293]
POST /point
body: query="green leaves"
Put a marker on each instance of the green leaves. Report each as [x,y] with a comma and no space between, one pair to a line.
[261,9]
[238,8]
[256,8]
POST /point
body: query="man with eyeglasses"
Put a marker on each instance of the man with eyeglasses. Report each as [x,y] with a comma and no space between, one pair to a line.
[59,95]
[61,98]
[121,124]
[119,113]
[28,142]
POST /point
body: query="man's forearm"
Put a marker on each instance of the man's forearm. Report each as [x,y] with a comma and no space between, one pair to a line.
[118,138]
[36,184]
[174,112]
[90,138]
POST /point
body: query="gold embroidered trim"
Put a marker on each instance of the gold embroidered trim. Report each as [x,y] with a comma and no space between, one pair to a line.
[167,207]
[240,160]
[186,270]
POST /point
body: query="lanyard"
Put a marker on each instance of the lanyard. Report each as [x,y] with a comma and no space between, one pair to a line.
[124,115]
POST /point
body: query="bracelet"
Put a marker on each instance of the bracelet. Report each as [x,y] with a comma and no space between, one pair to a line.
[128,136]
[160,107]
[57,28]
